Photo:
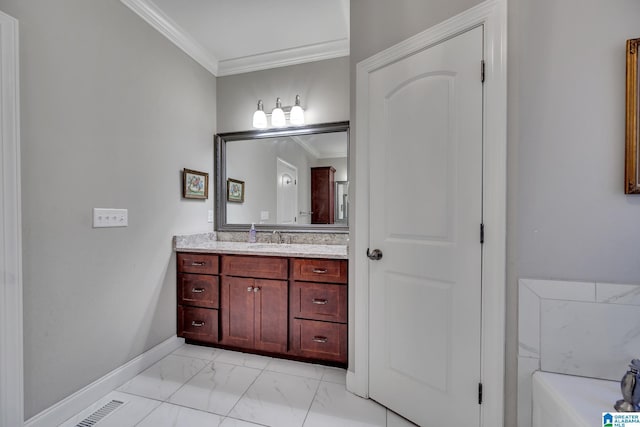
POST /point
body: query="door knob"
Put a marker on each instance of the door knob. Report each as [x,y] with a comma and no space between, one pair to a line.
[375,255]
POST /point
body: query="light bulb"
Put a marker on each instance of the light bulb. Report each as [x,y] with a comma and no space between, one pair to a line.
[296,116]
[259,117]
[277,115]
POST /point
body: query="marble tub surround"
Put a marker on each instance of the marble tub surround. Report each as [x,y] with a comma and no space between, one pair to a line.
[201,243]
[586,329]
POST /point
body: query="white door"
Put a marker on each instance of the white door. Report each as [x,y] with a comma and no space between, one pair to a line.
[287,192]
[425,132]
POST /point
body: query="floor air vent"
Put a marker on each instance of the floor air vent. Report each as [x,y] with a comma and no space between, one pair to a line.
[93,419]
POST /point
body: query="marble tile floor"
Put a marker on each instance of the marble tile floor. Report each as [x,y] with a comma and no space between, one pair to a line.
[206,387]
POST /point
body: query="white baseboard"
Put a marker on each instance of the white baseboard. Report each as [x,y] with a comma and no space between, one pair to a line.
[79,400]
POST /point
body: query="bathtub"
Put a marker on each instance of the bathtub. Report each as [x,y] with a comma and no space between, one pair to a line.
[569,401]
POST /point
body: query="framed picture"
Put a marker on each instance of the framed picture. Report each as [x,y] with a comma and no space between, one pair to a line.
[632,157]
[195,184]
[235,190]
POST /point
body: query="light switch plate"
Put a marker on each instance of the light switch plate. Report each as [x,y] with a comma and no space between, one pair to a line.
[110,217]
[264,215]
[210,216]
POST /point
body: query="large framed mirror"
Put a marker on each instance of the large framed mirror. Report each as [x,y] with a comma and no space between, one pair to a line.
[292,179]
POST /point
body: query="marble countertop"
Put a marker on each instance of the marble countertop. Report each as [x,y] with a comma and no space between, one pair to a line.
[206,244]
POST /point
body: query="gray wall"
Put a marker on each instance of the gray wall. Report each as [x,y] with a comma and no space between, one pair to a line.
[568,216]
[323,87]
[111,112]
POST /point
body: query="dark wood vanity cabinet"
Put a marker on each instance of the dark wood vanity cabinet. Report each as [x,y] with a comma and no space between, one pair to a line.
[254,313]
[318,309]
[292,307]
[197,297]
[323,185]
[254,302]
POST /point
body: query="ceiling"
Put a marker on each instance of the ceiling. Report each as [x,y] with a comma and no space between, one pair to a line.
[237,36]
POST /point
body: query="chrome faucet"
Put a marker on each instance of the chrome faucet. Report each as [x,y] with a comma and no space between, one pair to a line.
[630,386]
[276,233]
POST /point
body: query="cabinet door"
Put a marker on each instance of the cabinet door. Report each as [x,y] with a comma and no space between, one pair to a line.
[197,263]
[271,315]
[199,324]
[237,311]
[319,301]
[198,290]
[322,195]
[320,340]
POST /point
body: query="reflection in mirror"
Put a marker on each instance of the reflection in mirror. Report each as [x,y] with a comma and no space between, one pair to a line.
[342,202]
[294,178]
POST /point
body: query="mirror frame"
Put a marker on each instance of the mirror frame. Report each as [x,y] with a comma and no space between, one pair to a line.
[632,155]
[220,172]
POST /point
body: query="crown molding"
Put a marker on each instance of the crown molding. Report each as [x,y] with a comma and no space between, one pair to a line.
[307,147]
[285,57]
[154,16]
[148,11]
[314,152]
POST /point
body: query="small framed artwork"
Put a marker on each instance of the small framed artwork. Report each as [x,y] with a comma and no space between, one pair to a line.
[235,190]
[632,157]
[195,184]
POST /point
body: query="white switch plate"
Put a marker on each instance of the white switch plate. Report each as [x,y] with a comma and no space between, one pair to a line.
[110,217]
[264,215]
[210,216]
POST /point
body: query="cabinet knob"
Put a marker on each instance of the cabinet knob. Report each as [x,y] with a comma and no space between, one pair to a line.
[319,301]
[197,290]
[198,263]
[320,339]
[320,270]
[256,289]
[250,288]
[197,324]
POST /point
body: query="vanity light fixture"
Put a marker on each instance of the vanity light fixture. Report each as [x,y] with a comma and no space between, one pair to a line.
[259,117]
[296,117]
[279,115]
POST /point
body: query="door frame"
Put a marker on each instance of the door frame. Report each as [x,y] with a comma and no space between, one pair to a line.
[492,14]
[11,347]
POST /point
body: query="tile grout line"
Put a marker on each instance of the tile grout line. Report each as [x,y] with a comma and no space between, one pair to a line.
[313,399]
[245,392]
[179,388]
[189,379]
[244,421]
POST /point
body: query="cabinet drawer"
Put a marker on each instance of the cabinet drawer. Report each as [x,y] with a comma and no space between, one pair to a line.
[320,340]
[198,290]
[319,301]
[199,324]
[197,263]
[320,270]
[254,266]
